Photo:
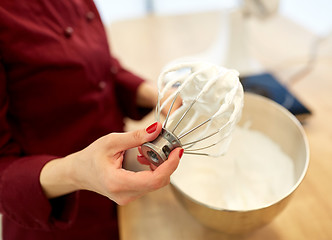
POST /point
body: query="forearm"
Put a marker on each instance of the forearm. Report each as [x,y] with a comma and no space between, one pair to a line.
[56,177]
[147,95]
[60,176]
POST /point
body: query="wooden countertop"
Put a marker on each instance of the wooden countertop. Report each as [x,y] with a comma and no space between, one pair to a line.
[145,45]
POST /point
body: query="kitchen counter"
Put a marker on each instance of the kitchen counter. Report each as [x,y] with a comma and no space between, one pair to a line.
[283,48]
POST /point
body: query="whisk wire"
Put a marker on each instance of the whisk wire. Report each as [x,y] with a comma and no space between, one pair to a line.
[183,84]
[209,146]
[183,115]
[208,136]
[170,109]
[201,139]
[205,88]
[197,153]
[193,129]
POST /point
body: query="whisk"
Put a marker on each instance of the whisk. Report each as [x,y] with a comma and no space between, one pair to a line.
[212,101]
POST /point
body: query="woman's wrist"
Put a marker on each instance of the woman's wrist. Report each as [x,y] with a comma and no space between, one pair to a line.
[147,95]
[57,178]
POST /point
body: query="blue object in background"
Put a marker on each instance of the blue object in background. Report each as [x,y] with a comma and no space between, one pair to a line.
[266,85]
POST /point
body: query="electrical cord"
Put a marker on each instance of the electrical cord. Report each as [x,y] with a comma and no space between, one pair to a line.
[309,65]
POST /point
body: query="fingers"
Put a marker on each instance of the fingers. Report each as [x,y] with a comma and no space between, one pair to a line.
[127,185]
[136,184]
[138,137]
[166,169]
[142,160]
[152,180]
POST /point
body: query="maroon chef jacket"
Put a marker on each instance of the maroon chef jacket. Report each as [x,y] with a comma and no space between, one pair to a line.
[60,89]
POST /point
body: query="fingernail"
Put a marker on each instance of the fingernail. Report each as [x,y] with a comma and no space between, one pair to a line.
[181,152]
[152,128]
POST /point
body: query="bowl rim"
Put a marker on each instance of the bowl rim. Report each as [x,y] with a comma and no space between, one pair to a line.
[296,184]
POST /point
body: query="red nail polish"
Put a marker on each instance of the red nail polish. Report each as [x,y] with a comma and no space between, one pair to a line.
[152,128]
[181,152]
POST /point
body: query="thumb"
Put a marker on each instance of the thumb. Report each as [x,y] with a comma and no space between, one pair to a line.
[169,166]
[138,137]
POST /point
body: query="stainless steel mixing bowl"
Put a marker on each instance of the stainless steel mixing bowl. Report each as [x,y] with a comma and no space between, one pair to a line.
[283,128]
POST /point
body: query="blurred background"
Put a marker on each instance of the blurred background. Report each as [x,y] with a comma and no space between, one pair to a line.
[236,38]
[313,15]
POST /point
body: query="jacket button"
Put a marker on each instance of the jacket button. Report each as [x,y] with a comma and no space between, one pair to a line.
[90,16]
[102,85]
[114,70]
[68,32]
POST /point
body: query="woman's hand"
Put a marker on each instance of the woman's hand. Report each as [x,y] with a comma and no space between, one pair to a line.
[147,96]
[98,168]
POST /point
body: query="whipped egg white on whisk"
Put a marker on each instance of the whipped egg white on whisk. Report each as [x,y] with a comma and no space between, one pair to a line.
[212,101]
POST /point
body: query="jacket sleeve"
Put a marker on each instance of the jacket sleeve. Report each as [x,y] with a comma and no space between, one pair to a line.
[21,196]
[126,84]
